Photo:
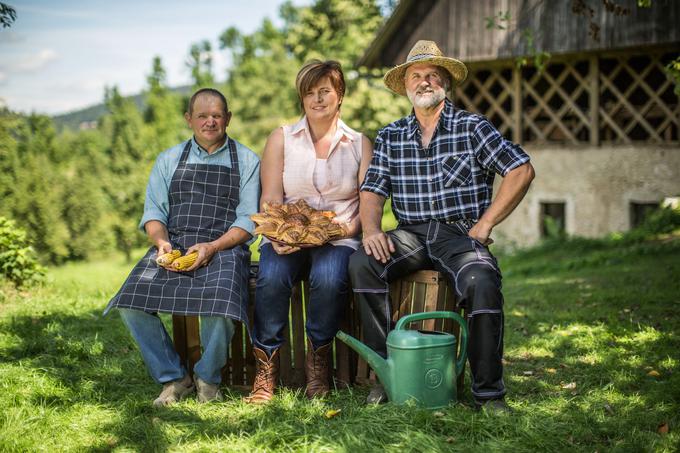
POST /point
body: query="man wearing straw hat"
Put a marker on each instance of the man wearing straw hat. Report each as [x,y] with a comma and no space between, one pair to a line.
[438,164]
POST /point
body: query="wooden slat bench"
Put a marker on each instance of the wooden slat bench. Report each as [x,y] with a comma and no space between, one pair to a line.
[420,291]
[240,369]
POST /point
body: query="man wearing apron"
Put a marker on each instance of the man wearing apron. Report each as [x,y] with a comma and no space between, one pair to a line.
[200,196]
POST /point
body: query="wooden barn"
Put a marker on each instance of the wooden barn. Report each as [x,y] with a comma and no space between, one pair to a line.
[580,84]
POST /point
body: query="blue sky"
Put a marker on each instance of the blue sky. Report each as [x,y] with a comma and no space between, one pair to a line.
[59,55]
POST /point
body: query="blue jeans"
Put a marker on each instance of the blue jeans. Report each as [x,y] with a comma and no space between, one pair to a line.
[159,353]
[328,292]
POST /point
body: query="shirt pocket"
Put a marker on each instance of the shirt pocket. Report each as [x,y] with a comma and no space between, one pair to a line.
[456,170]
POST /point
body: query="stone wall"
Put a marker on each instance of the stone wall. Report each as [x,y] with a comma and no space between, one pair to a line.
[597,185]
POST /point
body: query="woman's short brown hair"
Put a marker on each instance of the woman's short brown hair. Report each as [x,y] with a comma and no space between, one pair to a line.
[312,73]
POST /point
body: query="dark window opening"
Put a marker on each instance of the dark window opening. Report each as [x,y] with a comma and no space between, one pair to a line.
[553,220]
[640,211]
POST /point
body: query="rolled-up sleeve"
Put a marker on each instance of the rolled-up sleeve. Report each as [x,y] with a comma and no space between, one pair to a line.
[249,170]
[377,178]
[156,203]
[494,152]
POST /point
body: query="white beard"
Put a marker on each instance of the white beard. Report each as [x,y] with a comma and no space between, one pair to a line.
[426,100]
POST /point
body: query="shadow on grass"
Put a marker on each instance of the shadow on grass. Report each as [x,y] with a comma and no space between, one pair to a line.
[579,349]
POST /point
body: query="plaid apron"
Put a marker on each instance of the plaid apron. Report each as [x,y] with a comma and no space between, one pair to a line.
[203,200]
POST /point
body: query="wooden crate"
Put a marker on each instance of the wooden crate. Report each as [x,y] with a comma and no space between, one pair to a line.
[420,291]
[417,292]
[240,368]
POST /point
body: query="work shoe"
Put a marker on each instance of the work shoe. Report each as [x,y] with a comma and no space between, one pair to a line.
[493,407]
[207,392]
[266,377]
[317,370]
[174,391]
[377,395]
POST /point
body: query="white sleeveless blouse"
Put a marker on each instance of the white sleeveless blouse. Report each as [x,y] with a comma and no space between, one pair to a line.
[340,193]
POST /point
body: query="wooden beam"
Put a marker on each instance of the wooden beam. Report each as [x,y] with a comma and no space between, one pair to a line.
[594,99]
[517,105]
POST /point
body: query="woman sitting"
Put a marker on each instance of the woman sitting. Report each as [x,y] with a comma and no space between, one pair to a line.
[323,161]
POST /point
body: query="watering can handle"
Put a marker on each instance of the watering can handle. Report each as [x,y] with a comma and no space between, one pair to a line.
[462,355]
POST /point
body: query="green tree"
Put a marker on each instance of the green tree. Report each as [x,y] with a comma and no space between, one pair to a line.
[30,179]
[18,263]
[86,214]
[129,161]
[261,81]
[10,123]
[38,208]
[163,113]
[7,15]
[200,64]
[261,84]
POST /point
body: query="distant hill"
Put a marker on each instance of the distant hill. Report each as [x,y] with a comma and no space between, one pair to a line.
[87,117]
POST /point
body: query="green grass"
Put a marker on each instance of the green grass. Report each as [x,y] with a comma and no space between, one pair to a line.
[586,323]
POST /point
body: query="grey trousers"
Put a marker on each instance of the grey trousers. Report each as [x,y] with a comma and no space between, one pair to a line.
[471,269]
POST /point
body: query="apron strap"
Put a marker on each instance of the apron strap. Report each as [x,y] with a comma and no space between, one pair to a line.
[185,153]
[233,155]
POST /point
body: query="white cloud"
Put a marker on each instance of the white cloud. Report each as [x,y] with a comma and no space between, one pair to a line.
[30,63]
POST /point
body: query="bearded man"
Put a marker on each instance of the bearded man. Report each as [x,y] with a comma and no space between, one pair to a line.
[438,164]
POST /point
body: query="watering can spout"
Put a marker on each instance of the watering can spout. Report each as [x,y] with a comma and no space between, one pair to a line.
[379,365]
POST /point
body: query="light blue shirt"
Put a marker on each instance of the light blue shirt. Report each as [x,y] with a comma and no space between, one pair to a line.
[157,203]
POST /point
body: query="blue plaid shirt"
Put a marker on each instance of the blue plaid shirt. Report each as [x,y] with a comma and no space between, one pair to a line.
[450,180]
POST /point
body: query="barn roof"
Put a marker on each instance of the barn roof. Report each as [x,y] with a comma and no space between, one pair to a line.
[460,28]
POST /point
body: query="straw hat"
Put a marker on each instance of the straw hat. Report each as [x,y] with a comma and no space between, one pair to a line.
[424,52]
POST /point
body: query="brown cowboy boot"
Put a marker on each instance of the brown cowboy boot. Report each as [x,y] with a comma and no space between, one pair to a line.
[266,377]
[317,370]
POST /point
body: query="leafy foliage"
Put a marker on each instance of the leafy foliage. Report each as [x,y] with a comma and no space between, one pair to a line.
[672,71]
[200,64]
[80,193]
[261,83]
[662,221]
[18,263]
[7,15]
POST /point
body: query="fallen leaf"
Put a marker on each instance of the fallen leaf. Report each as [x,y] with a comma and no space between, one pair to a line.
[653,373]
[569,386]
[662,428]
[551,370]
[332,413]
[528,373]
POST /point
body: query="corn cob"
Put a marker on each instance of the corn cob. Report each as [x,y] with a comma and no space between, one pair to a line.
[185,262]
[167,258]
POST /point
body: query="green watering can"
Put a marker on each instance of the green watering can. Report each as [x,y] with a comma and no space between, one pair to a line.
[420,365]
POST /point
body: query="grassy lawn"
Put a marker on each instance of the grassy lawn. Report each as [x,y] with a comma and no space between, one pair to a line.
[592,364]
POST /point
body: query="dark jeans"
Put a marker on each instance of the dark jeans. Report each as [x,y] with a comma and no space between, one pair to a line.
[328,291]
[472,271]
